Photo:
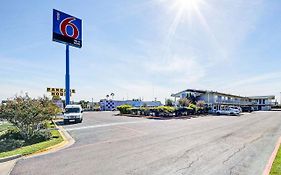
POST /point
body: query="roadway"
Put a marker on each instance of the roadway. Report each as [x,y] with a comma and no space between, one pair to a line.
[107,144]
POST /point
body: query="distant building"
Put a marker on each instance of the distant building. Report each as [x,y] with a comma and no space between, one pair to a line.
[216,99]
[59,103]
[109,105]
[263,103]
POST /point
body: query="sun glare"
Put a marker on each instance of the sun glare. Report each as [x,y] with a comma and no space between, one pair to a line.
[183,11]
[186,12]
[187,5]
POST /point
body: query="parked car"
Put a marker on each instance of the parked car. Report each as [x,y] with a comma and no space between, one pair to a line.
[236,107]
[247,109]
[73,113]
[227,111]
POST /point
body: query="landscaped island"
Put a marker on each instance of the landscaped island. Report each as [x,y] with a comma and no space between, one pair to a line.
[26,126]
[186,109]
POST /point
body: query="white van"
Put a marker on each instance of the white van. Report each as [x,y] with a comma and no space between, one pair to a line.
[73,113]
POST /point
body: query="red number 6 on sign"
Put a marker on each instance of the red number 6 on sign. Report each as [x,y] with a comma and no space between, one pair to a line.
[67,22]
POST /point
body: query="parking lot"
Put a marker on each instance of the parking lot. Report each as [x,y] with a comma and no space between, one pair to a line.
[108,144]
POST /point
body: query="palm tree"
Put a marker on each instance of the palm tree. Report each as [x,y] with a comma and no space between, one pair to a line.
[112,95]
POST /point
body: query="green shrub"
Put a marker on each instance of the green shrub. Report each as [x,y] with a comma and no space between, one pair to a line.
[125,109]
[40,136]
[169,102]
[165,109]
[192,106]
[184,102]
[134,111]
[11,133]
[10,144]
[184,111]
[200,104]
[144,111]
[27,114]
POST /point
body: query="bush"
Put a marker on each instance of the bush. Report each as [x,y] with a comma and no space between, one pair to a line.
[134,111]
[201,104]
[163,110]
[40,136]
[169,102]
[28,114]
[184,102]
[10,144]
[144,111]
[184,111]
[11,133]
[125,109]
[200,110]
[192,106]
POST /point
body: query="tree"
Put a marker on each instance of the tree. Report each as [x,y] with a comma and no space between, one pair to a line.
[200,104]
[191,97]
[112,95]
[28,114]
[84,104]
[184,102]
[96,106]
[169,102]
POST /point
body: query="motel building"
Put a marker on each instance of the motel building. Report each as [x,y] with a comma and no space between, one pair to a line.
[217,99]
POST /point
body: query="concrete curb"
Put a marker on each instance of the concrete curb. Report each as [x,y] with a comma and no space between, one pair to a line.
[6,159]
[67,142]
[272,157]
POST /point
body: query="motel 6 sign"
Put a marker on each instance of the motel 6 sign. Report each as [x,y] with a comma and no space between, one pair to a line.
[67,29]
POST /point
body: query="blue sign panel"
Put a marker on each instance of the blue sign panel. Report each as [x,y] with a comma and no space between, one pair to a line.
[67,29]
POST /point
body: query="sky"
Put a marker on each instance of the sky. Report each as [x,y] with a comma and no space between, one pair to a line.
[143,48]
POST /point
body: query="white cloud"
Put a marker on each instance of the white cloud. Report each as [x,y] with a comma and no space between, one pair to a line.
[178,69]
[144,90]
[263,84]
[255,79]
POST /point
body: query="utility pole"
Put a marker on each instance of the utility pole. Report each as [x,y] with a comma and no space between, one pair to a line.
[92,103]
[280,99]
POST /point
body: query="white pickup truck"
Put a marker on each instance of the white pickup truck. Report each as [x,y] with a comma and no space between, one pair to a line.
[73,113]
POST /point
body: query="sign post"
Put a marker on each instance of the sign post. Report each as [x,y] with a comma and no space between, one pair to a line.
[67,29]
[67,77]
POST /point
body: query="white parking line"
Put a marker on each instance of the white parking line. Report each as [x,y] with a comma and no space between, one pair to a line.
[106,125]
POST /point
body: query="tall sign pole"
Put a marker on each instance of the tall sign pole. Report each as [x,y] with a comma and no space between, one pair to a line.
[67,77]
[67,29]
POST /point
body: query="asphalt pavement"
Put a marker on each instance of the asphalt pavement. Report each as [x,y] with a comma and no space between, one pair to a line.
[108,145]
